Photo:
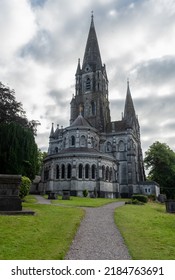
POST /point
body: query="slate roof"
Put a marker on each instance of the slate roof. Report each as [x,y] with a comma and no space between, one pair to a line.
[80,121]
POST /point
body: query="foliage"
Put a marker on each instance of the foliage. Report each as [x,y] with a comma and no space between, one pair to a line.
[134,201]
[41,157]
[18,150]
[160,160]
[140,197]
[24,187]
[148,231]
[12,111]
[85,192]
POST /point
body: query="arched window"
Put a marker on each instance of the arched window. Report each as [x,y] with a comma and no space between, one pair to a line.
[110,174]
[46,173]
[57,172]
[63,171]
[69,171]
[72,140]
[80,171]
[93,108]
[88,84]
[121,146]
[93,171]
[107,173]
[86,171]
[103,172]
[56,150]
[108,147]
[82,141]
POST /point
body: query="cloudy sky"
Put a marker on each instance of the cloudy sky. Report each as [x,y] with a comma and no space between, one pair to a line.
[41,41]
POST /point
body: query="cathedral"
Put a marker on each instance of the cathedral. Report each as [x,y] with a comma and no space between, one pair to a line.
[94,153]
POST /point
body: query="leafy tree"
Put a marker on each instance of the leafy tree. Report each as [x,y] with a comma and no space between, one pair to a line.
[160,160]
[41,157]
[24,187]
[12,111]
[18,150]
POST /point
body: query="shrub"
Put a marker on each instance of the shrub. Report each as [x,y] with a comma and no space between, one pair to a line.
[140,197]
[24,187]
[135,202]
[152,197]
[85,193]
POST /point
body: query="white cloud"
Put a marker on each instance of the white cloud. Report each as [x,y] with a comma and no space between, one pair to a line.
[42,40]
[17,27]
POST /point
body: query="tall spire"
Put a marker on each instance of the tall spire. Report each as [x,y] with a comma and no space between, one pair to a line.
[92,55]
[129,112]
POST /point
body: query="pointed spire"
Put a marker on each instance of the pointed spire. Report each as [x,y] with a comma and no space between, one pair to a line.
[78,72]
[129,112]
[52,131]
[92,55]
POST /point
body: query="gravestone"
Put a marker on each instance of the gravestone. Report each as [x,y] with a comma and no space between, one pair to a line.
[170,206]
[66,195]
[9,193]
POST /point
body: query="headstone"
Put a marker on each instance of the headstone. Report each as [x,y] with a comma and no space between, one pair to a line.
[66,195]
[52,195]
[9,193]
[170,206]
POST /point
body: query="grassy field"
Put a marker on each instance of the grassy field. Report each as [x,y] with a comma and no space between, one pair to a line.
[149,232]
[47,235]
[83,201]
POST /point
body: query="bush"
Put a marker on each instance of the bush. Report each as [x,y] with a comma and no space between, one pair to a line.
[140,197]
[85,193]
[152,197]
[24,187]
[135,202]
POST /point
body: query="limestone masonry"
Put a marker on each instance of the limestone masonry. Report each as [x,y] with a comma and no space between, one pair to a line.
[93,152]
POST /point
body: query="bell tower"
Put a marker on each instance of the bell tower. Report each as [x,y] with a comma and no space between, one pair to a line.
[91,85]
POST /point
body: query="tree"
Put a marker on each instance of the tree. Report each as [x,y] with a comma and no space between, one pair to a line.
[18,150]
[24,187]
[12,111]
[160,160]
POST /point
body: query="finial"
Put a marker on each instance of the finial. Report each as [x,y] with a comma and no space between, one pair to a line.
[128,81]
[92,15]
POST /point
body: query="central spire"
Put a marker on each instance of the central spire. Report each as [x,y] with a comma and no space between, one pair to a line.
[92,55]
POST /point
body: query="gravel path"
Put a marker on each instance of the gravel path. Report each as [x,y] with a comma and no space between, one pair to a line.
[98,237]
[42,200]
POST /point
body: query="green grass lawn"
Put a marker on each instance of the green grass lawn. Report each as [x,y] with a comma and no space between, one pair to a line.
[148,231]
[83,201]
[47,235]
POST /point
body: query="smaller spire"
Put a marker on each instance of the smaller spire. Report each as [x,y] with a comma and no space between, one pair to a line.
[52,131]
[129,112]
[78,68]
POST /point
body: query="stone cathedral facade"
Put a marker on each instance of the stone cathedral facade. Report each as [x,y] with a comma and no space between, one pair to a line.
[93,152]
